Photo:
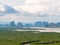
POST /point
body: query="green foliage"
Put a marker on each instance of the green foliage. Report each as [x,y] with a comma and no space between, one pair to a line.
[16,38]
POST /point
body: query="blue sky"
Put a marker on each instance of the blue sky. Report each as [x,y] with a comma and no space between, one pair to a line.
[29,10]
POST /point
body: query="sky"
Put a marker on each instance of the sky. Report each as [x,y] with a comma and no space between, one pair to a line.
[29,11]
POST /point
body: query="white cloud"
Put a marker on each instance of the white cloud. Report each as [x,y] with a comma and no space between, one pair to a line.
[13,2]
[33,6]
[37,1]
[51,7]
[45,6]
[1,8]
[28,19]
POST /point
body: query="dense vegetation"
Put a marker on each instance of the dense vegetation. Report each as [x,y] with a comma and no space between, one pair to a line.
[16,38]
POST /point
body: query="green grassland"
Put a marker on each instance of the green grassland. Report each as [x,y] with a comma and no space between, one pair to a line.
[16,38]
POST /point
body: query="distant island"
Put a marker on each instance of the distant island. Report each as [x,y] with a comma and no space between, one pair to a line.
[19,25]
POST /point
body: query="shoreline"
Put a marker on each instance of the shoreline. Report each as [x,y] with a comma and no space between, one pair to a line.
[57,30]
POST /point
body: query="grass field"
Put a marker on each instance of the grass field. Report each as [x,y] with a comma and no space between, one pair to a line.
[16,37]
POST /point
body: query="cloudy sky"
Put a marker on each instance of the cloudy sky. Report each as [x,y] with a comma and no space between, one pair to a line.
[30,10]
